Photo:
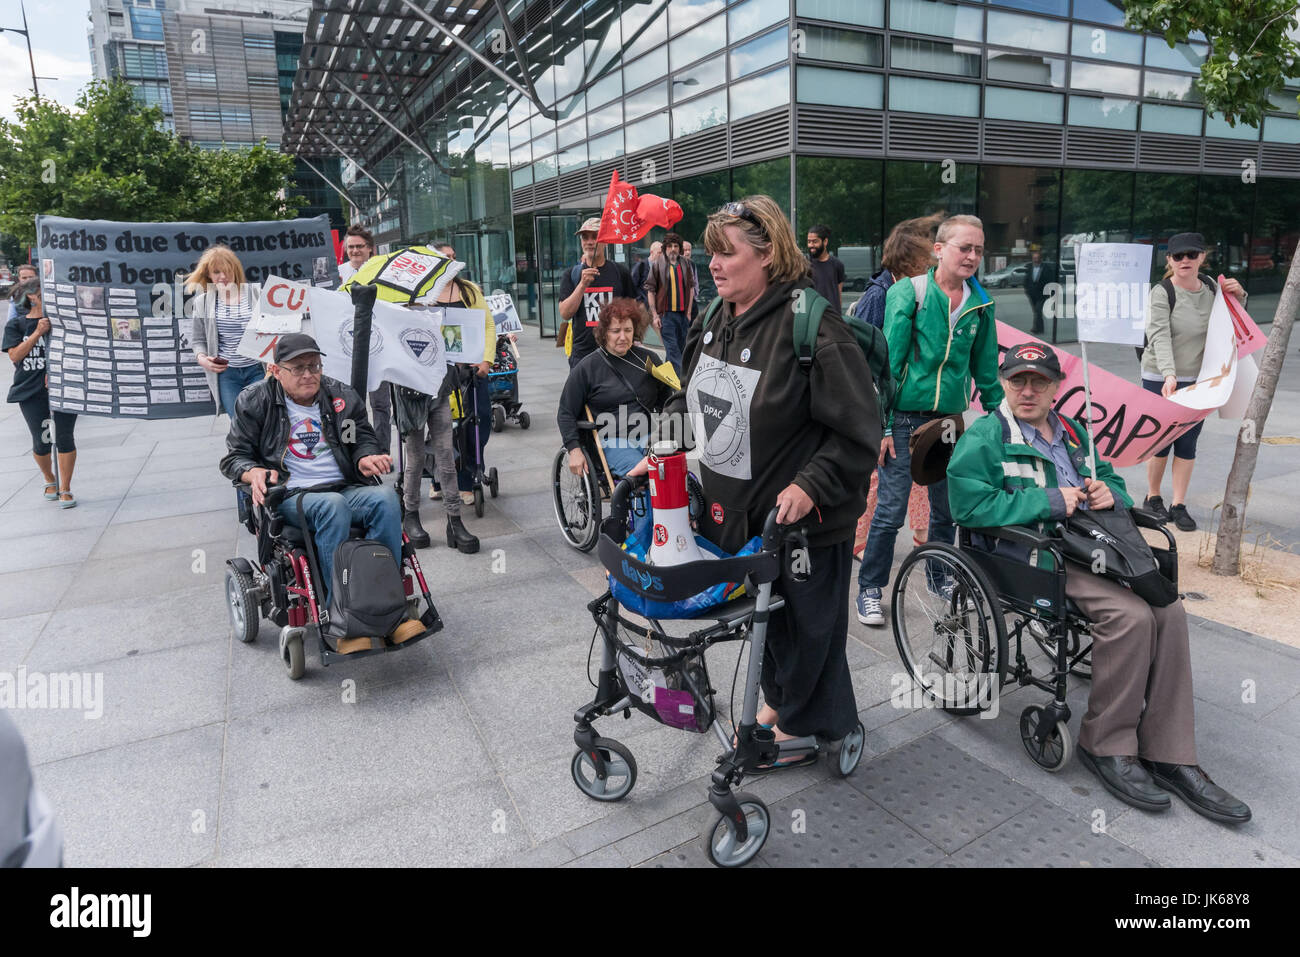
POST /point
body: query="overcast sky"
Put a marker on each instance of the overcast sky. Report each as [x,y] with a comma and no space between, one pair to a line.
[59,46]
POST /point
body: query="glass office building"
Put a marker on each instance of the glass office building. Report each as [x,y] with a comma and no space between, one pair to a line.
[1044,117]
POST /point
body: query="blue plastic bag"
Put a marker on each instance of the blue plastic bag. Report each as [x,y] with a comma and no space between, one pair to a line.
[637,545]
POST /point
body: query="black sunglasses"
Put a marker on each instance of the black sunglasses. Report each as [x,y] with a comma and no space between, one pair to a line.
[741,211]
[1179,257]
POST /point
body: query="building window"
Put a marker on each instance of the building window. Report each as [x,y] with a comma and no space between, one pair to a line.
[1026,68]
[864,13]
[116,19]
[931,18]
[1004,104]
[911,94]
[929,56]
[256,42]
[606,147]
[146,24]
[710,73]
[648,100]
[1280,130]
[1218,127]
[1182,56]
[746,19]
[760,93]
[840,87]
[208,78]
[683,14]
[1100,11]
[647,133]
[700,113]
[700,42]
[1171,86]
[842,46]
[1106,113]
[1102,44]
[1170,119]
[757,54]
[1028,33]
[1103,79]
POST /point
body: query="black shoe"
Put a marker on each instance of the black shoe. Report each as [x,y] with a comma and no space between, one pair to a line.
[1202,795]
[1156,506]
[415,531]
[1178,515]
[1126,778]
[458,536]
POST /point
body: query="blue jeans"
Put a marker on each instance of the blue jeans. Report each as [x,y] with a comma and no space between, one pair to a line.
[233,381]
[673,328]
[330,515]
[622,457]
[893,488]
[481,395]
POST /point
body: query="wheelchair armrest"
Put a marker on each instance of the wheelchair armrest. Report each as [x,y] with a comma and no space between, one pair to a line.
[1144,519]
[1017,534]
[587,427]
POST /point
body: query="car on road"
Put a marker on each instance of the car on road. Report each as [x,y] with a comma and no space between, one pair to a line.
[1008,277]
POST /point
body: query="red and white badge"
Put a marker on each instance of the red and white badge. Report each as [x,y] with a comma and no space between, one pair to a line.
[338,405]
[661,535]
[716,512]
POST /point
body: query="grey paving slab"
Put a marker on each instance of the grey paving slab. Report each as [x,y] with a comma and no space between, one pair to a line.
[942,793]
[912,725]
[157,574]
[17,636]
[467,825]
[152,480]
[1043,835]
[99,492]
[529,510]
[551,853]
[43,554]
[16,527]
[139,508]
[124,692]
[151,535]
[500,563]
[1232,671]
[152,803]
[605,857]
[654,840]
[1286,717]
[316,766]
[27,592]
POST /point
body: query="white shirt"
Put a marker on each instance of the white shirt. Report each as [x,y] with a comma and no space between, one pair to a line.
[347,270]
[309,460]
[965,294]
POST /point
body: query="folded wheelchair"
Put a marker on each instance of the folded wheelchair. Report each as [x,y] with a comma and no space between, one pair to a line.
[665,677]
[281,587]
[954,609]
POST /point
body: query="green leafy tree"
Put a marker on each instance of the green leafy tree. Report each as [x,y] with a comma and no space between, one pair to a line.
[1253,53]
[110,158]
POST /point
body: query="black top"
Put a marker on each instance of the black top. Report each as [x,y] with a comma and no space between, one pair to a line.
[613,281]
[826,279]
[608,384]
[29,372]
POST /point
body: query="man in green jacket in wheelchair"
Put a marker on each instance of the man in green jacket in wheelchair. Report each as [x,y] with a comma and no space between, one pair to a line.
[1024,464]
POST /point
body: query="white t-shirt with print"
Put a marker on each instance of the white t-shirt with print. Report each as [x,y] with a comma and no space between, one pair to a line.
[309,460]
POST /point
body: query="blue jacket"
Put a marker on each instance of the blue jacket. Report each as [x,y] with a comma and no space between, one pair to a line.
[871,307]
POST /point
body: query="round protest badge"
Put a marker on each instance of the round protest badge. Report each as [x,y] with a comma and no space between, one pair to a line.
[661,535]
[708,337]
[338,405]
[716,513]
[744,356]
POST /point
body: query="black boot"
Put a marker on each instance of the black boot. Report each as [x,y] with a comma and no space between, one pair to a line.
[414,530]
[458,536]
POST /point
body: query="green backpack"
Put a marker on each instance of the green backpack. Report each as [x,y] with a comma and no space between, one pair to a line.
[807,321]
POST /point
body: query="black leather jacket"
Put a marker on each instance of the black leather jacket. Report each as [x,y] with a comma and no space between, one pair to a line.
[259,432]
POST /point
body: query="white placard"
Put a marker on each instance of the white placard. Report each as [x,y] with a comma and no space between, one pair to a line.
[504,313]
[282,306]
[1112,285]
[463,335]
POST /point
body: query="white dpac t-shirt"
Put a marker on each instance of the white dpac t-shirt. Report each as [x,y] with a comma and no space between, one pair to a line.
[309,460]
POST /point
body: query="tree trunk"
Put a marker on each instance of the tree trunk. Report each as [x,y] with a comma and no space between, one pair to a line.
[1232,520]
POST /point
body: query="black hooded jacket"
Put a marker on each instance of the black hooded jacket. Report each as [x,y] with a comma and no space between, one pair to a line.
[766,423]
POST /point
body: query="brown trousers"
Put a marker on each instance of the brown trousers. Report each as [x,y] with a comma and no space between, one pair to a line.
[1141,697]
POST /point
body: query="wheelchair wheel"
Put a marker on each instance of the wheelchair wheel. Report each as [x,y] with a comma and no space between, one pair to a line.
[949,629]
[492,481]
[1043,638]
[292,652]
[498,418]
[620,771]
[719,835]
[478,501]
[524,420]
[245,618]
[1055,752]
[577,504]
[850,752]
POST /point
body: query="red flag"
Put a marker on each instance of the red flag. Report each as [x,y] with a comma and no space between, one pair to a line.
[628,217]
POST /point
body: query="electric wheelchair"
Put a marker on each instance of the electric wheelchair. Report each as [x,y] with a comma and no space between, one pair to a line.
[281,586]
[954,609]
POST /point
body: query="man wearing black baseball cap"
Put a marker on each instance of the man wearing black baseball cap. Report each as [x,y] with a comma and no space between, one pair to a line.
[300,426]
[1024,464]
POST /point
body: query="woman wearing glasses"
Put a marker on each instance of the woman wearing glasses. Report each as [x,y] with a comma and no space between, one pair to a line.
[1178,318]
[941,335]
[777,434]
[216,333]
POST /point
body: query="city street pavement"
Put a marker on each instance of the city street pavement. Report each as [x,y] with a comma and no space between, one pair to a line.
[457,750]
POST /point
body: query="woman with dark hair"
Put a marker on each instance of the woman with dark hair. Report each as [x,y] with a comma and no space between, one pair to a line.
[25,341]
[616,385]
[908,251]
[800,436]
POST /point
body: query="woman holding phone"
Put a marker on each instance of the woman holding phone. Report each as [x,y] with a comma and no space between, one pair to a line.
[216,333]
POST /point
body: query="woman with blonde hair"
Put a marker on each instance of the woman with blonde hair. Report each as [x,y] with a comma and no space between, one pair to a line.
[215,335]
[801,436]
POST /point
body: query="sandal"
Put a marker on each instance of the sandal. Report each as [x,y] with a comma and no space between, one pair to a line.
[784,764]
[69,502]
[51,493]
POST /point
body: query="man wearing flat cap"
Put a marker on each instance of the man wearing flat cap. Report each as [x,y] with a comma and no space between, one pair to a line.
[300,425]
[587,286]
[1025,464]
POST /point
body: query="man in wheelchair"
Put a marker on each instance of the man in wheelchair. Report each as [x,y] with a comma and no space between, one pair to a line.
[1024,464]
[300,425]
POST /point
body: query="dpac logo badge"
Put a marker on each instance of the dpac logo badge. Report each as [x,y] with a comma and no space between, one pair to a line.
[419,345]
[345,338]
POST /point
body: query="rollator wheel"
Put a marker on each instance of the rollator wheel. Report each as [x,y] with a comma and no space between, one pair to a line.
[850,752]
[950,629]
[245,618]
[478,501]
[294,656]
[577,504]
[492,481]
[498,418]
[524,420]
[620,771]
[1054,753]
[719,835]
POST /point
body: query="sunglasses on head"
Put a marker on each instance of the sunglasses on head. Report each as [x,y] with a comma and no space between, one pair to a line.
[1179,257]
[741,211]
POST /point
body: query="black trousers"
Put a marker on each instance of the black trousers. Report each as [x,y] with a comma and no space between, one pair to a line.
[805,667]
[36,412]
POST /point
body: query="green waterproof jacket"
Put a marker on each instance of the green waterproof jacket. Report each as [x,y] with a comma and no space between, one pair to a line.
[996,478]
[933,360]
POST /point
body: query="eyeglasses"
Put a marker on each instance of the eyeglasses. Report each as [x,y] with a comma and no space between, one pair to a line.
[1179,257]
[1035,382]
[304,371]
[741,211]
[966,249]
